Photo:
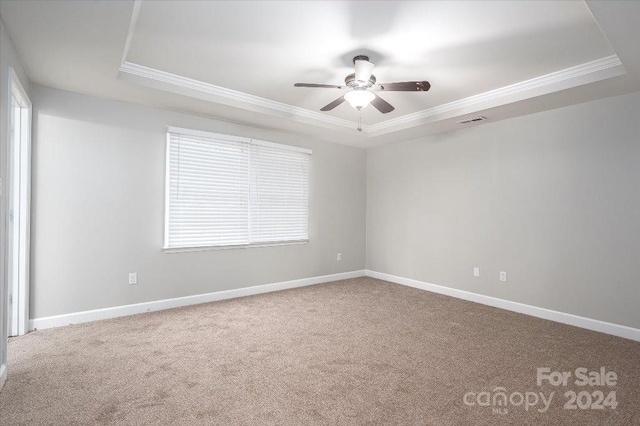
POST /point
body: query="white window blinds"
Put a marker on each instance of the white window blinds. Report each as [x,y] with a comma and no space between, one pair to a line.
[231,191]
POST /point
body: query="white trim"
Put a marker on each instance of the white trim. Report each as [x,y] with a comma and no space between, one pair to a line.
[158,305]
[17,235]
[195,88]
[167,188]
[589,72]
[25,219]
[126,310]
[535,311]
[170,250]
[602,68]
[3,375]
[15,81]
[132,26]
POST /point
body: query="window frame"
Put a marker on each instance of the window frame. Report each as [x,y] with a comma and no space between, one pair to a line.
[230,138]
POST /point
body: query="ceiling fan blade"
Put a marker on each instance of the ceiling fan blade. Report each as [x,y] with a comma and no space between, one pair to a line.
[364,69]
[405,86]
[382,105]
[333,104]
[321,86]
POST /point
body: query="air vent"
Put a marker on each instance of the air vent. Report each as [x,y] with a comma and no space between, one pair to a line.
[472,119]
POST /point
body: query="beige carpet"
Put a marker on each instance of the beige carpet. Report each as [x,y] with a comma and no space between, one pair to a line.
[360,351]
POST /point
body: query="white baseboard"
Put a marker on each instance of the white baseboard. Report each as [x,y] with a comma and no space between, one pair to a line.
[158,305]
[548,314]
[3,375]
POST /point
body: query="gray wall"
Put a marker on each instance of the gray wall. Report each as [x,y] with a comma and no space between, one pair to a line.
[552,198]
[98,210]
[8,57]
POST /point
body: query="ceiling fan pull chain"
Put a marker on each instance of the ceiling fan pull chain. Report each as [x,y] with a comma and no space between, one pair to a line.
[360,120]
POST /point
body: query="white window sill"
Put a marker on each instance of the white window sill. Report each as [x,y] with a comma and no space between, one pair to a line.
[170,250]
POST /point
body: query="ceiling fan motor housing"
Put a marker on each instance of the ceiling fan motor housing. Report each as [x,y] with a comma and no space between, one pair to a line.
[351,81]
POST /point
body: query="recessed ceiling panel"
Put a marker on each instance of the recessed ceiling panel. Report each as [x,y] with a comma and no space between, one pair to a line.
[551,53]
[463,48]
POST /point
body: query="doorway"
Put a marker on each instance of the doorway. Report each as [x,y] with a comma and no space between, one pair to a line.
[18,206]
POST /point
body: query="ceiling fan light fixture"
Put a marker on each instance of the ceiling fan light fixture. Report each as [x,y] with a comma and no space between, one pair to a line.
[359,98]
[364,68]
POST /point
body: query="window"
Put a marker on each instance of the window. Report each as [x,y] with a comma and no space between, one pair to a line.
[230,191]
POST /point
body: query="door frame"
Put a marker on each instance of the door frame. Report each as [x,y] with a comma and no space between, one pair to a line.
[18,208]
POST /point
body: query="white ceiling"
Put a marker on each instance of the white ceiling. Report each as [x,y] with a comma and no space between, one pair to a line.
[238,60]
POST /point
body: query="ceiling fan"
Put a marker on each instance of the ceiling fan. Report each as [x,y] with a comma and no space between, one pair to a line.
[362,83]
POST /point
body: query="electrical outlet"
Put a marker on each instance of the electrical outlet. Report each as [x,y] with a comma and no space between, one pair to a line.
[133,278]
[339,257]
[476,272]
[503,276]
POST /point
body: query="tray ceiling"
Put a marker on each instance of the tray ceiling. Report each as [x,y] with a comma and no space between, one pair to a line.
[239,60]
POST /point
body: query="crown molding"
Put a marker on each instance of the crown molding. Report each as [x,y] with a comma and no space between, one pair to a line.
[599,69]
[132,26]
[195,88]
[589,72]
